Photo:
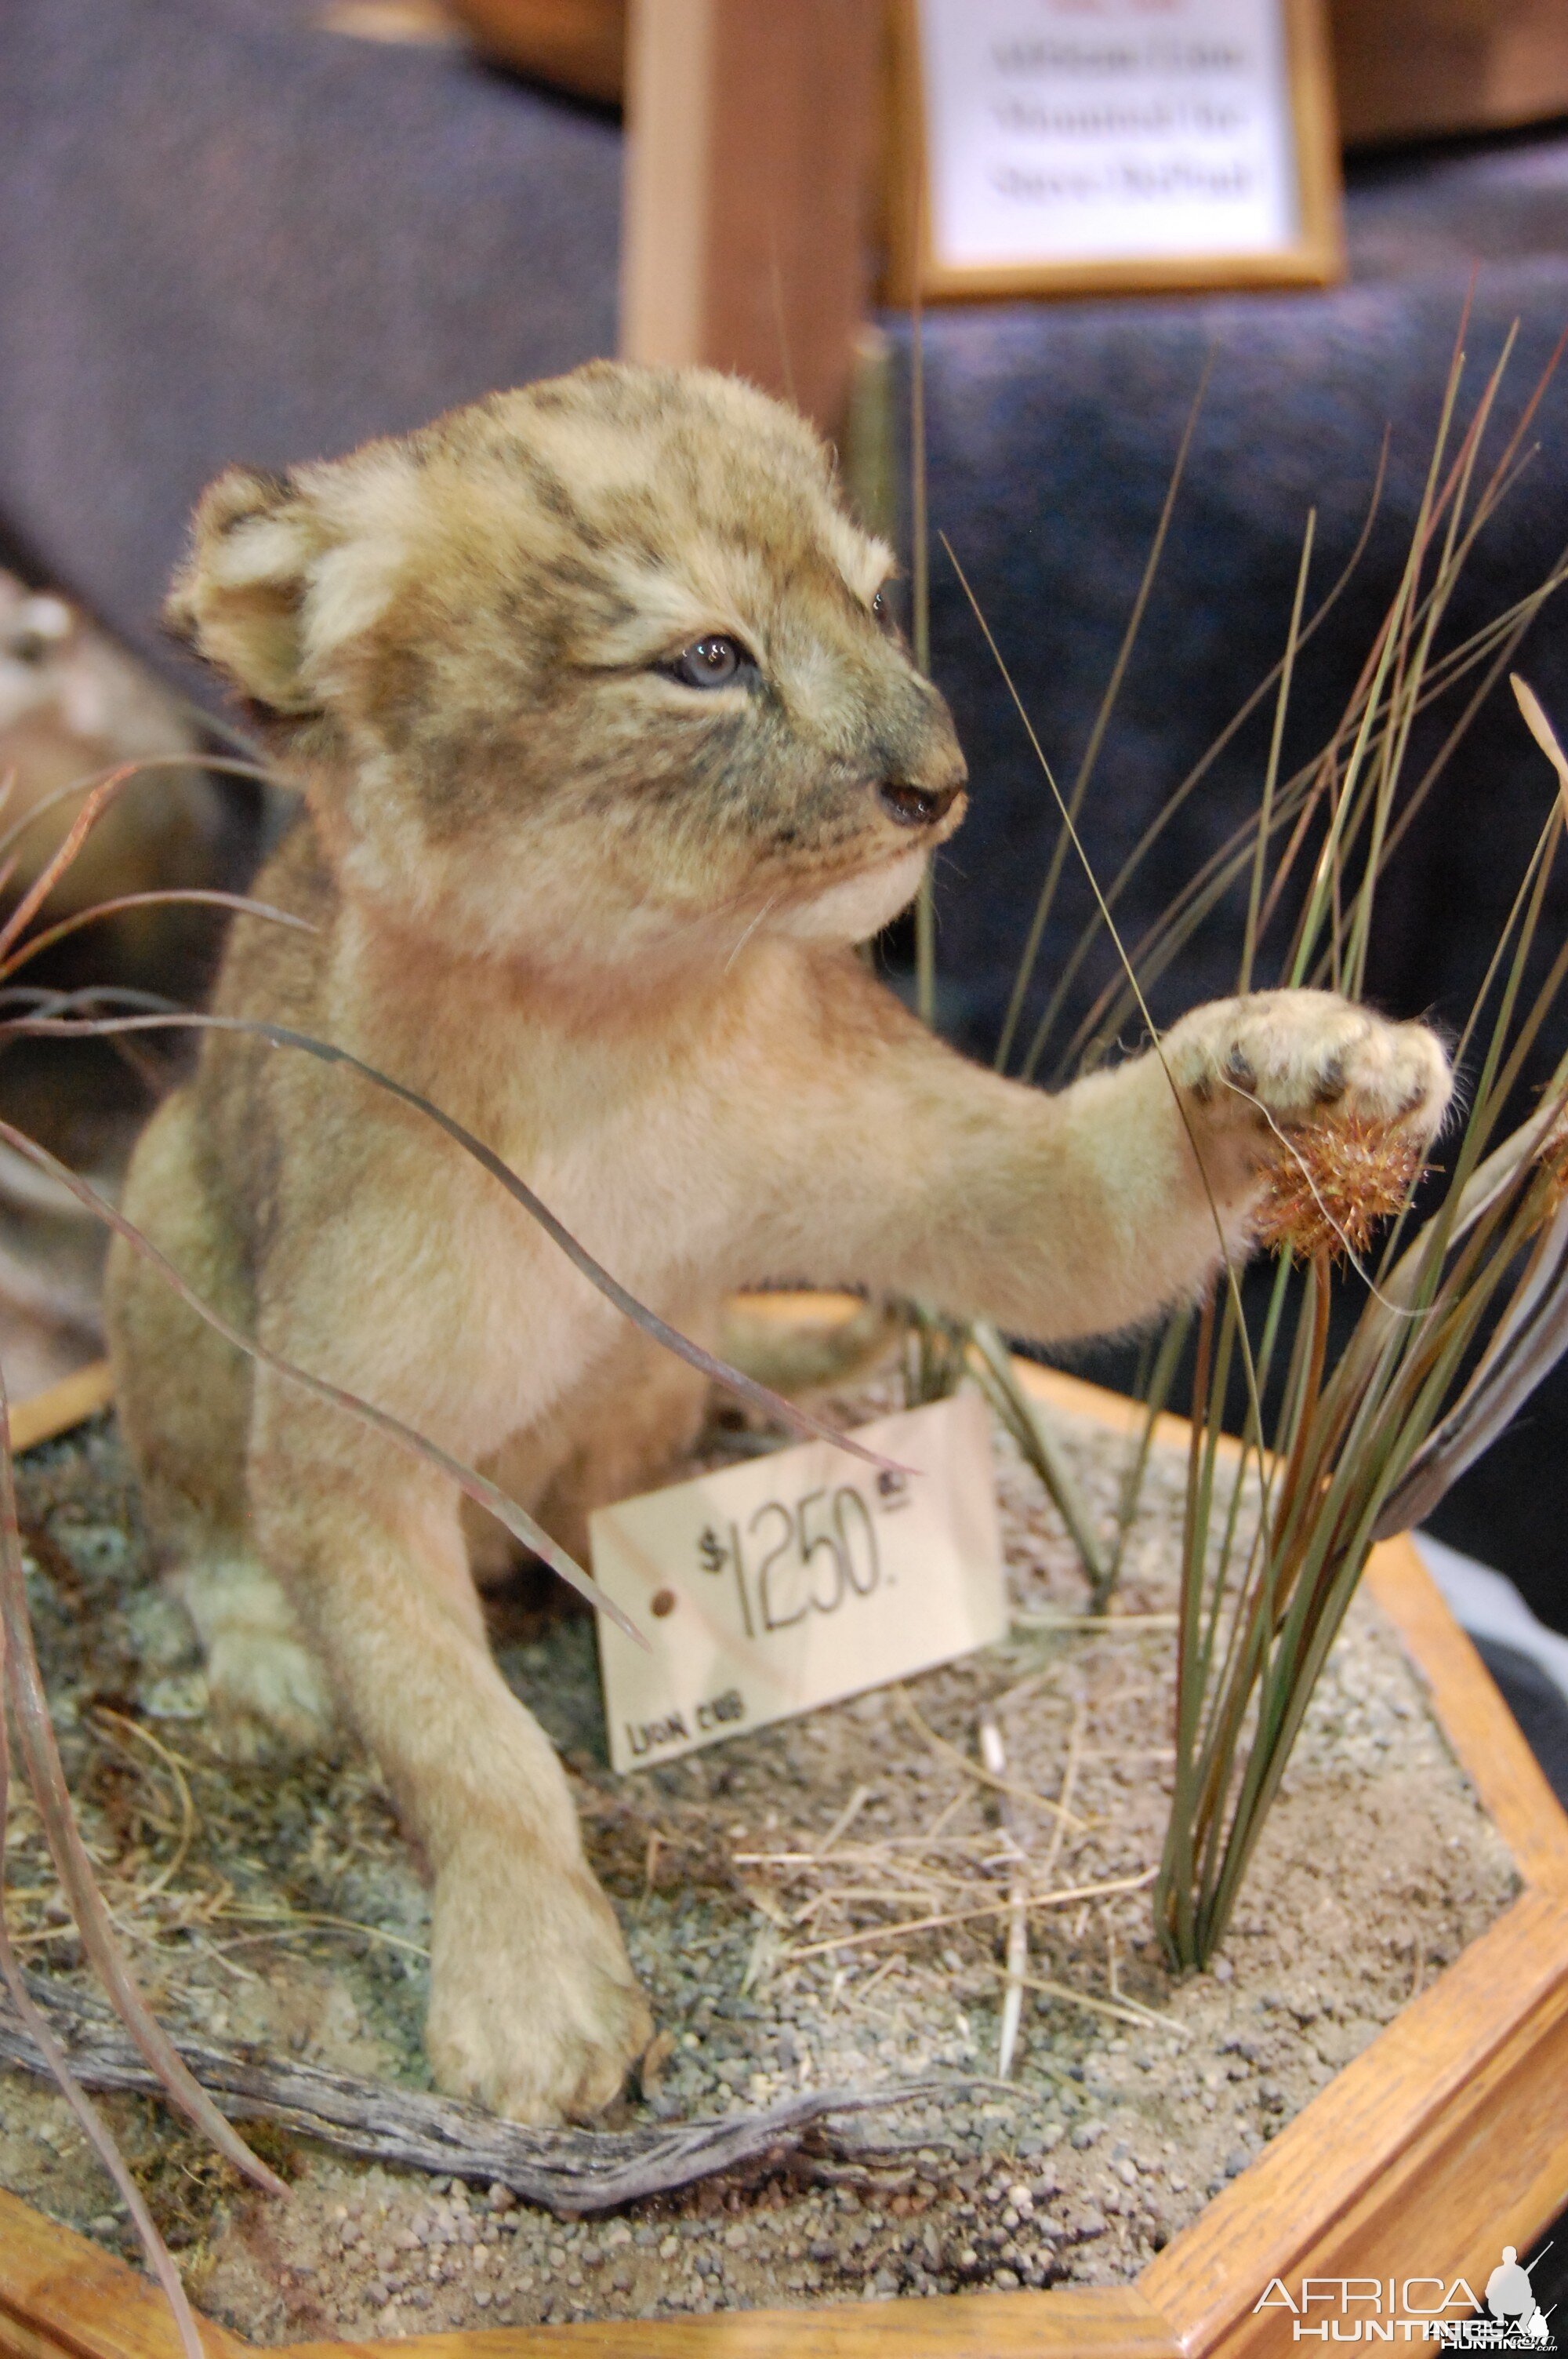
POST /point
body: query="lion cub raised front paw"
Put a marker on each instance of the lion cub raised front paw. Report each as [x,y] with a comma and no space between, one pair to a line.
[1295,1059]
[533,2008]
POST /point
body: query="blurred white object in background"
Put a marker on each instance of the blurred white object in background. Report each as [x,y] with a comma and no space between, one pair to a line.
[1487,1604]
[73,705]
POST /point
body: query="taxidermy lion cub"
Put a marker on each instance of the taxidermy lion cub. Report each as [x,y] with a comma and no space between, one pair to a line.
[612,753]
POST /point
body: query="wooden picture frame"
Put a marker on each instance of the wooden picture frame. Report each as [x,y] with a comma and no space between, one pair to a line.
[1441,2141]
[1313,256]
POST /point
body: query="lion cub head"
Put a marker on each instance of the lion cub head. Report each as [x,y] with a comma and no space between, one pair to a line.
[584,669]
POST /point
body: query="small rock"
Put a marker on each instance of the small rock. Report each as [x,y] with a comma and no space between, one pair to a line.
[1008,2281]
[1236,2161]
[1085,2136]
[91,1547]
[181,1695]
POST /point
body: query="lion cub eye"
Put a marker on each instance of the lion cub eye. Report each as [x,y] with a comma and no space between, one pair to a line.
[881,610]
[711,662]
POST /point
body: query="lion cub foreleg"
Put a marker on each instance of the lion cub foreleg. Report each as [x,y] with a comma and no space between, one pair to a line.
[1091,1210]
[534,2009]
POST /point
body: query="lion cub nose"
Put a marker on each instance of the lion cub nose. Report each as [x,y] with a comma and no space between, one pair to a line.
[914,805]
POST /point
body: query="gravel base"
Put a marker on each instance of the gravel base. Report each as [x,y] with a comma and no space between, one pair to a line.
[1133,2097]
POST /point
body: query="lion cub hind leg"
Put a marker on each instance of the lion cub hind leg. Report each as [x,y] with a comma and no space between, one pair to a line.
[267,1693]
[623,1430]
[184,1398]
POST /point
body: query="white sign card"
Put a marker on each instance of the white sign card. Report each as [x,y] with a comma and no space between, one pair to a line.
[1129,128]
[797,1579]
[1076,137]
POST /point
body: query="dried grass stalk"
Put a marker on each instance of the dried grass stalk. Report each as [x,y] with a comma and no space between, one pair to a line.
[1459,1323]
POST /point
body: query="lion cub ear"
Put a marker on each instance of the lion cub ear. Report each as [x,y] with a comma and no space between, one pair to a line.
[239,597]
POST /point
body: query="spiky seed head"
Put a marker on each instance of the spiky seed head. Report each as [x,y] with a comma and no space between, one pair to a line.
[1328,1187]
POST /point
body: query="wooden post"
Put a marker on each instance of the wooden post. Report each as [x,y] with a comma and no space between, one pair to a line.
[754,130]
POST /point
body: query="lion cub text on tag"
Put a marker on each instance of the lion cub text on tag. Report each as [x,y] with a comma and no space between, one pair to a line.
[808,1575]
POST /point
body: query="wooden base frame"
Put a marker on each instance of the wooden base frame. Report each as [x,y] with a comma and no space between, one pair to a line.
[1440,2143]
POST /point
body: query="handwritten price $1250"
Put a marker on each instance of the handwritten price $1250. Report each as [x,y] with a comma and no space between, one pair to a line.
[809,1558]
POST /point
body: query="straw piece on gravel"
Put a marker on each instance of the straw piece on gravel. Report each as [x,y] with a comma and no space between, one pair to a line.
[946,1752]
[965,1915]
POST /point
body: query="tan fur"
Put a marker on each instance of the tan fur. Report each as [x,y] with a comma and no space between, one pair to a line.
[604,918]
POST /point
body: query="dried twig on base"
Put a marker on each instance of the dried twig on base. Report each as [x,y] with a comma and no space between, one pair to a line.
[565,2171]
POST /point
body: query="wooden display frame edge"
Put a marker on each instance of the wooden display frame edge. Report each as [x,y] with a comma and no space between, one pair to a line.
[1445,2138]
[1315,258]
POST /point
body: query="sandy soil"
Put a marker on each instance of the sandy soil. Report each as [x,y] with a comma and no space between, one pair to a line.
[762,1886]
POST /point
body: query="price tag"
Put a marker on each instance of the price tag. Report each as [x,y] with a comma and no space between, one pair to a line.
[807,1575]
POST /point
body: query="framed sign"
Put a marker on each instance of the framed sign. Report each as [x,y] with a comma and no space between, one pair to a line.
[1083,146]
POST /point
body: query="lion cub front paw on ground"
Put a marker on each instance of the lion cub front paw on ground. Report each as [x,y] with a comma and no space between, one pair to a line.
[535,2010]
[611,753]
